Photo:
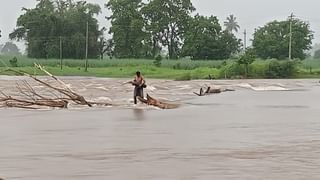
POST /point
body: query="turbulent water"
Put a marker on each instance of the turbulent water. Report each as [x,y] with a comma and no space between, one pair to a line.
[266,129]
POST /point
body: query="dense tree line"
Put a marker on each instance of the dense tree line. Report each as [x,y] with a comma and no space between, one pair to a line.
[205,39]
[272,40]
[53,20]
[144,29]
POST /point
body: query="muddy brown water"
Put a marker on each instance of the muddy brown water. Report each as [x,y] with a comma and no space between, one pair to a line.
[266,129]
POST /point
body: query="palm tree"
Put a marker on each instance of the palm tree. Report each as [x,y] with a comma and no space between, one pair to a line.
[231,24]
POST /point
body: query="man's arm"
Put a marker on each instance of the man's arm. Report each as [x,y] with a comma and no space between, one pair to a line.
[142,80]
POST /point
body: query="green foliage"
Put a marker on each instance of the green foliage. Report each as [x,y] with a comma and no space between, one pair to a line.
[230,70]
[281,69]
[170,69]
[183,64]
[166,22]
[310,63]
[177,66]
[205,39]
[184,77]
[10,49]
[224,63]
[53,20]
[246,59]
[272,40]
[231,24]
[14,62]
[157,61]
[261,69]
[106,47]
[127,28]
[258,69]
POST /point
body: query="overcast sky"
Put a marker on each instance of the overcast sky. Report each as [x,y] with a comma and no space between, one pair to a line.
[250,13]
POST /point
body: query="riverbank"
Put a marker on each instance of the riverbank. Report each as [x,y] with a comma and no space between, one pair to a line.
[122,72]
[151,72]
[183,69]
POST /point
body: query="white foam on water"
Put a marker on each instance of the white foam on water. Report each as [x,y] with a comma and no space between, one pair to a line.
[39,86]
[245,85]
[263,88]
[269,88]
[81,90]
[151,88]
[104,99]
[102,88]
[183,87]
[89,85]
[69,86]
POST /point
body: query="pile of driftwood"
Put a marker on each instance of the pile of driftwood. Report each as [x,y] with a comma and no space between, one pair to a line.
[56,95]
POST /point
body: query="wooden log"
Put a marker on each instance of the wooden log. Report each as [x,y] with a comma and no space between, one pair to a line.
[157,103]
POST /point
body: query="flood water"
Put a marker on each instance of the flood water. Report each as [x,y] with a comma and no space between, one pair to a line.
[266,129]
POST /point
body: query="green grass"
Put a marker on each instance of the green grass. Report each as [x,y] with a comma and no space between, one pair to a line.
[184,69]
[123,72]
[185,64]
[170,69]
[313,63]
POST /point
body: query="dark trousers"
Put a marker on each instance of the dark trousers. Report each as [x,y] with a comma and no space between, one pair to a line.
[138,91]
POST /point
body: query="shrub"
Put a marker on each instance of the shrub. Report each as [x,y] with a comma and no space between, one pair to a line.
[258,69]
[231,70]
[177,66]
[184,77]
[157,61]
[281,69]
[246,59]
[14,62]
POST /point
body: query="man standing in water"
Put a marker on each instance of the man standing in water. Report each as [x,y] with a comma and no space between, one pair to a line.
[139,84]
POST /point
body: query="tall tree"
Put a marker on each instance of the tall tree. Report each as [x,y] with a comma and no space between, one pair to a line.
[74,28]
[272,40]
[10,48]
[246,59]
[53,20]
[205,39]
[106,47]
[231,24]
[166,22]
[127,28]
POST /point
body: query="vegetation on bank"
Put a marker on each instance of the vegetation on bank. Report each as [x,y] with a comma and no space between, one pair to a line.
[142,33]
[146,29]
[183,69]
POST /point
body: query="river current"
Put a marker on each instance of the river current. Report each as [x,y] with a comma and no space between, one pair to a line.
[265,129]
